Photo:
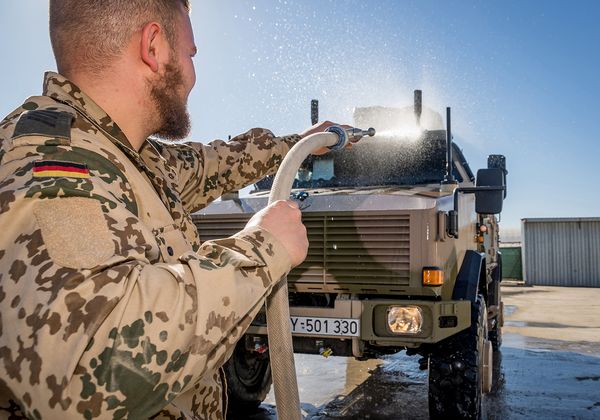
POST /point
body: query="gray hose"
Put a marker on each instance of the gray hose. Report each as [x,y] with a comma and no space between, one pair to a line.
[281,349]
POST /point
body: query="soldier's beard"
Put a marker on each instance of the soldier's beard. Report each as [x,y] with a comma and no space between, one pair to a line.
[171,108]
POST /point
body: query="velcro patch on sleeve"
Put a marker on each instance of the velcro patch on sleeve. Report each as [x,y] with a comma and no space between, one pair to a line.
[56,168]
[75,231]
[44,122]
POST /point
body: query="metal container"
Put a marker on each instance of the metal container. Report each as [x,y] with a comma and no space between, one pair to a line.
[512,266]
[562,251]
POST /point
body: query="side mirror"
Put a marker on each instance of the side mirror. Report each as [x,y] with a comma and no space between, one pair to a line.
[489,201]
[489,191]
[498,161]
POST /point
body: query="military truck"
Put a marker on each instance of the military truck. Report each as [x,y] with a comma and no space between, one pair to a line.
[403,255]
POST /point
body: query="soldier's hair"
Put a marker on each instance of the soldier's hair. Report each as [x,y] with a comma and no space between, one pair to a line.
[88,34]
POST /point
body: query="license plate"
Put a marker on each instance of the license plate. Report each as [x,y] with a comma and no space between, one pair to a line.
[344,327]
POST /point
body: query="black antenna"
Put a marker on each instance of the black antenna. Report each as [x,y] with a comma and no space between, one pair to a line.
[449,179]
[418,106]
[314,111]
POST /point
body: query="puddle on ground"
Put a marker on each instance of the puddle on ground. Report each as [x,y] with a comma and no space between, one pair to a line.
[509,310]
[343,375]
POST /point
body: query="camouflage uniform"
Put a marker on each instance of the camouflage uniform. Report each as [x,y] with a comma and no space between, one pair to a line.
[110,306]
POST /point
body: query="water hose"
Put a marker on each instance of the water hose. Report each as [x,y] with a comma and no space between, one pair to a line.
[281,350]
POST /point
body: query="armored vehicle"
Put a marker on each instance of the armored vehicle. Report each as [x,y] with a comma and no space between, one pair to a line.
[403,255]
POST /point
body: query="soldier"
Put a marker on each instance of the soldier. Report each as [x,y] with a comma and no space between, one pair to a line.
[110,306]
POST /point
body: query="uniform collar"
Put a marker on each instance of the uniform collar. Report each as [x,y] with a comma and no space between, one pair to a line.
[63,90]
[148,160]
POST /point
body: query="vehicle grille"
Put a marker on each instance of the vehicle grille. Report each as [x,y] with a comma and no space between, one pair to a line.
[344,249]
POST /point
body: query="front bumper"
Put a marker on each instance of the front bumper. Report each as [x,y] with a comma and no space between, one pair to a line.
[440,320]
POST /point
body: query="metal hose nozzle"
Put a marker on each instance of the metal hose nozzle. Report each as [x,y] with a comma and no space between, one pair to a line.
[355,134]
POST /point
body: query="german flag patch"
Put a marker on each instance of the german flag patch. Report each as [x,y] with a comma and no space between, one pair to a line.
[55,168]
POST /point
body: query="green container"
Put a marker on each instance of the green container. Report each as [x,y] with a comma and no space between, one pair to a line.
[512,264]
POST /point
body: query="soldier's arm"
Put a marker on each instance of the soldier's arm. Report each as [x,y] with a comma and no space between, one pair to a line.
[206,171]
[96,312]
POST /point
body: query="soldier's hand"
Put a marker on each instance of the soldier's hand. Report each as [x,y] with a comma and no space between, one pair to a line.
[283,220]
[320,127]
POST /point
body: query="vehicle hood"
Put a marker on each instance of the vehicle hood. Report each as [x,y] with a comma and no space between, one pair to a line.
[341,200]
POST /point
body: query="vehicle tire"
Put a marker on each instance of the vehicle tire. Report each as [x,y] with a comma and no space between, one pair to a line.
[495,334]
[456,370]
[248,375]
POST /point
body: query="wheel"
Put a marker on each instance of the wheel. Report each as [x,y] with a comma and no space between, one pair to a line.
[248,375]
[495,298]
[495,334]
[460,370]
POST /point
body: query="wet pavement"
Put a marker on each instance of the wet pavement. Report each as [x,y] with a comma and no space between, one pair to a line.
[548,368]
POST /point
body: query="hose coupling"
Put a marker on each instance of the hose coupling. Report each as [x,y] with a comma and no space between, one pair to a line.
[350,135]
[342,137]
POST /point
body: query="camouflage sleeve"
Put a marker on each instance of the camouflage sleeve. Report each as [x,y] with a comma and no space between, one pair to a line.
[207,171]
[93,325]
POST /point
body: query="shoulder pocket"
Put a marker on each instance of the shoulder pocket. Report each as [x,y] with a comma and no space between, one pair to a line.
[74,231]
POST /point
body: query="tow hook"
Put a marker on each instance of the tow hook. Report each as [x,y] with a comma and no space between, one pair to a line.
[259,346]
[323,350]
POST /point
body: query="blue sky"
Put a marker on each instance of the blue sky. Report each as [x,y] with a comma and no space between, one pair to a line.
[521,77]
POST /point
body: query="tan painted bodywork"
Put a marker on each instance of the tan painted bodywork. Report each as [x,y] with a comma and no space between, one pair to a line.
[425,207]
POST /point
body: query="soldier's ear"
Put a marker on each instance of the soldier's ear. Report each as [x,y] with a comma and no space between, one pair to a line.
[152,45]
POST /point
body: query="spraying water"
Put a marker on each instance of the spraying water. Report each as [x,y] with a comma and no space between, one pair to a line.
[398,122]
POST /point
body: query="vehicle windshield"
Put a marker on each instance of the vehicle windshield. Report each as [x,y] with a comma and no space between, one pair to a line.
[378,161]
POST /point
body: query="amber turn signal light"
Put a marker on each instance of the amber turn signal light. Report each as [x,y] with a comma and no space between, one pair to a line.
[433,276]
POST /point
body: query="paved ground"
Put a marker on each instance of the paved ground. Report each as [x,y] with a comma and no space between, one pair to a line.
[568,316]
[549,368]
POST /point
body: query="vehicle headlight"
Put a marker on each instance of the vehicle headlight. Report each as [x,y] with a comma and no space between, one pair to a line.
[405,319]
